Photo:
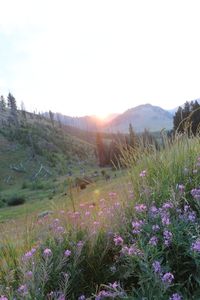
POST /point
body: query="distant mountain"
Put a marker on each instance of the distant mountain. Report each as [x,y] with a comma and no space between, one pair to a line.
[147,116]
[88,123]
[111,117]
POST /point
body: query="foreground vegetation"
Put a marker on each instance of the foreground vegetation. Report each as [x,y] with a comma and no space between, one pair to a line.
[141,241]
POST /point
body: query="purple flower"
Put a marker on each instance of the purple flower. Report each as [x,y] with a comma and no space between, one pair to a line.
[114,285]
[167,205]
[167,237]
[143,173]
[29,274]
[58,229]
[137,226]
[175,296]
[82,297]
[133,250]
[67,253]
[29,254]
[191,216]
[3,297]
[153,241]
[23,290]
[153,211]
[156,267]
[155,228]
[47,252]
[196,194]
[141,208]
[168,278]
[181,188]
[165,218]
[118,240]
[80,244]
[196,246]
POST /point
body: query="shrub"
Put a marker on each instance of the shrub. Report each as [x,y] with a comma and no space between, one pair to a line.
[16,200]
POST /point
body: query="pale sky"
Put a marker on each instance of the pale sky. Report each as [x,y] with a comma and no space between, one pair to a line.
[83,57]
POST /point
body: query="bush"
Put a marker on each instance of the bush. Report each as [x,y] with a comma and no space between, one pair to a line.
[16,200]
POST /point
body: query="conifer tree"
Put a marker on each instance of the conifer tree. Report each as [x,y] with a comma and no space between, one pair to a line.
[100,150]
[132,136]
[2,104]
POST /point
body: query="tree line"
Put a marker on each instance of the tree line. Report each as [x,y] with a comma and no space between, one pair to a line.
[187,118]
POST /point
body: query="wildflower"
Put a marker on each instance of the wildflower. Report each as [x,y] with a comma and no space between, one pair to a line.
[67,253]
[118,240]
[141,208]
[47,252]
[167,237]
[59,229]
[181,188]
[191,216]
[175,296]
[3,297]
[196,193]
[137,226]
[156,267]
[154,211]
[87,213]
[143,173]
[133,250]
[82,297]
[167,205]
[168,278]
[23,290]
[29,274]
[196,246]
[155,228]
[153,241]
[165,218]
[29,254]
[80,244]
[114,285]
[61,297]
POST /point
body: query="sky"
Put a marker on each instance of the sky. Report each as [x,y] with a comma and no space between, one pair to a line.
[95,57]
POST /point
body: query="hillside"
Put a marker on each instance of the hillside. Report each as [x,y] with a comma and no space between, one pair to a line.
[33,147]
[147,116]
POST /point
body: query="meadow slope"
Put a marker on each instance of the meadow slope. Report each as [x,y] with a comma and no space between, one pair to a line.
[137,237]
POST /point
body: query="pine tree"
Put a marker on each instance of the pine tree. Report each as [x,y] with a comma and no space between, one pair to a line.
[51,115]
[100,150]
[188,116]
[132,137]
[2,104]
[11,103]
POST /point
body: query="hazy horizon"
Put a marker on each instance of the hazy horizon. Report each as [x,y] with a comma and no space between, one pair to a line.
[97,58]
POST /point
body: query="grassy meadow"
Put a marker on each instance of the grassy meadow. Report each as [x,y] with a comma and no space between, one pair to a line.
[136,236]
